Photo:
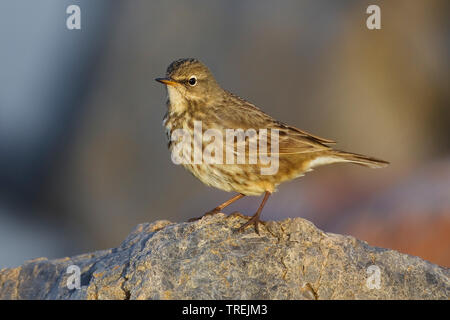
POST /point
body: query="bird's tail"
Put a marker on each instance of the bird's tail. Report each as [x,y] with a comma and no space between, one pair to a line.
[359,159]
[336,156]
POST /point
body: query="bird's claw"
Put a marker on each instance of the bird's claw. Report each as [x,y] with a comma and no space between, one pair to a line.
[254,220]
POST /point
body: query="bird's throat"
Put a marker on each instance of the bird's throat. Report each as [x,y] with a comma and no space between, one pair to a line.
[177,103]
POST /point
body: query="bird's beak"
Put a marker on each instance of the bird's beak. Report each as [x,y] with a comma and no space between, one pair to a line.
[167,81]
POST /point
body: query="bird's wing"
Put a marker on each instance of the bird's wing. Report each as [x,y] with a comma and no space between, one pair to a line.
[292,141]
[297,131]
[241,114]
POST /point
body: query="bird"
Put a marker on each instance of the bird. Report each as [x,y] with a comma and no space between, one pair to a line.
[194,96]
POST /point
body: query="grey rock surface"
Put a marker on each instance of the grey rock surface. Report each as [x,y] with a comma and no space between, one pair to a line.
[208,259]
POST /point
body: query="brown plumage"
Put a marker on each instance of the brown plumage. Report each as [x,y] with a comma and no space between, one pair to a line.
[195,96]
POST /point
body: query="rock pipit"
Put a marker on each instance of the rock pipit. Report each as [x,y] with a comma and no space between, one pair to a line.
[255,142]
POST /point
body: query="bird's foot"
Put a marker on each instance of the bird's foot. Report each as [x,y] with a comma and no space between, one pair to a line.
[209,213]
[254,220]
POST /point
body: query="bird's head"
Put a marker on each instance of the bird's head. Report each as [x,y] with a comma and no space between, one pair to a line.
[189,80]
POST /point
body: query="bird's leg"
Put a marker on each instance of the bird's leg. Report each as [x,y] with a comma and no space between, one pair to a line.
[220,207]
[255,218]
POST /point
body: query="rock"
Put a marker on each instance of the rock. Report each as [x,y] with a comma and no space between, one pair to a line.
[207,259]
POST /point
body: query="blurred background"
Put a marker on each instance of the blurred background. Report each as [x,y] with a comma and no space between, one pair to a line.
[83,156]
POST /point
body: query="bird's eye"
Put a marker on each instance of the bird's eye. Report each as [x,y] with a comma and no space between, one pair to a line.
[192,80]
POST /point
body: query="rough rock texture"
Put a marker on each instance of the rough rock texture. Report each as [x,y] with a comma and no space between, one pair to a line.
[207,259]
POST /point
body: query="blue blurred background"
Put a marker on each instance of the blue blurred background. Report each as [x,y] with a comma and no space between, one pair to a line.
[83,155]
